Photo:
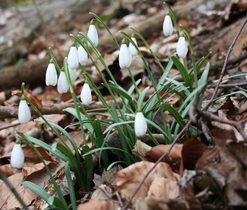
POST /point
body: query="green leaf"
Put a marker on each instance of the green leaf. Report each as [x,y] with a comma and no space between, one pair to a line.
[50,200]
[141,97]
[183,71]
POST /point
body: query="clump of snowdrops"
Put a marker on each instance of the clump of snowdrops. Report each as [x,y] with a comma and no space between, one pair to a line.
[131,121]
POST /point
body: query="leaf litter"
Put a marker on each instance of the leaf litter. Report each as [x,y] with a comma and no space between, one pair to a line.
[197,173]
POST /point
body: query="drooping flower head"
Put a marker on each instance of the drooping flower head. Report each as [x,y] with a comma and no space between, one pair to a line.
[167,26]
[86,95]
[73,74]
[73,60]
[82,55]
[17,156]
[140,124]
[132,49]
[93,34]
[24,113]
[51,75]
[62,84]
[182,48]
[125,58]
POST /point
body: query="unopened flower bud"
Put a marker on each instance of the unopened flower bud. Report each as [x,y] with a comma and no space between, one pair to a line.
[93,35]
[24,113]
[17,156]
[82,55]
[125,58]
[132,49]
[51,75]
[167,26]
[86,95]
[182,48]
[73,61]
[62,84]
[140,124]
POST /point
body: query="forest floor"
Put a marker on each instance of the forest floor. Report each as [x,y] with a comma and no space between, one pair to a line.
[202,171]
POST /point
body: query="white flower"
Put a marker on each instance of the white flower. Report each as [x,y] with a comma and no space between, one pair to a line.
[93,35]
[73,74]
[182,48]
[17,156]
[51,75]
[125,57]
[62,84]
[82,55]
[132,49]
[167,26]
[24,113]
[140,124]
[73,61]
[86,95]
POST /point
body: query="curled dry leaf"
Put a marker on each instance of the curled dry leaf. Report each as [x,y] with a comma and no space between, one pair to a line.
[98,204]
[191,152]
[33,99]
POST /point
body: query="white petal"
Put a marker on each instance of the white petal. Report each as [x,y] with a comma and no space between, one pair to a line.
[140,124]
[17,157]
[73,61]
[125,57]
[182,48]
[24,113]
[132,49]
[62,84]
[73,74]
[51,75]
[86,95]
[167,26]
[82,55]
[93,35]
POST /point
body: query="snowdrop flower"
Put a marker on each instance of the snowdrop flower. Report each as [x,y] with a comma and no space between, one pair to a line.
[62,84]
[73,60]
[167,26]
[24,113]
[86,95]
[73,74]
[132,49]
[17,156]
[51,75]
[82,55]
[182,48]
[125,58]
[93,35]
[140,124]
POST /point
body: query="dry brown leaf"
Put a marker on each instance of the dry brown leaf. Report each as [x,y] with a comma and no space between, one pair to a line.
[98,204]
[33,99]
[32,157]
[208,156]
[7,169]
[7,198]
[174,158]
[140,149]
[191,152]
[163,188]
[129,179]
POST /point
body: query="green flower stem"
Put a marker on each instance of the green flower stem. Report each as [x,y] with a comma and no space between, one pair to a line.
[58,190]
[107,28]
[52,56]
[71,187]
